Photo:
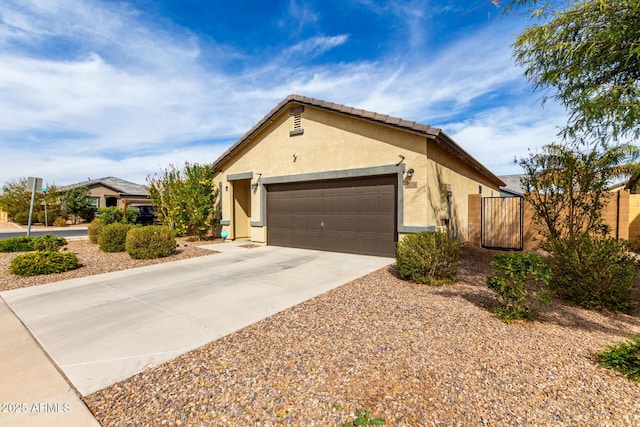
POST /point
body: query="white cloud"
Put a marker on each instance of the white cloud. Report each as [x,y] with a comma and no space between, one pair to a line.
[497,136]
[142,92]
[302,14]
[316,46]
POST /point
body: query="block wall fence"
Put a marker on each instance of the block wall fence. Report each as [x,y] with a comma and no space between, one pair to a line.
[621,215]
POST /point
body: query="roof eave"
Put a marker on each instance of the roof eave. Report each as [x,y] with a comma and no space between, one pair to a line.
[429,132]
[459,152]
[379,119]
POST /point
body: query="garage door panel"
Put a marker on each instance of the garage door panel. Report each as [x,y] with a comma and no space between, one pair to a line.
[353,215]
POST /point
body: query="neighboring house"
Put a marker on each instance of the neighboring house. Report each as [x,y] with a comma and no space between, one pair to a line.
[110,191]
[618,186]
[313,174]
[512,187]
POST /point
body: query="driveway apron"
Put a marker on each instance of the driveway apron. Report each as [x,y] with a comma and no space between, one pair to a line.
[102,329]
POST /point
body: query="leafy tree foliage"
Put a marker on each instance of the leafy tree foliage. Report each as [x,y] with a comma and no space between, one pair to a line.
[567,187]
[185,198]
[112,214]
[566,184]
[587,54]
[77,202]
[16,197]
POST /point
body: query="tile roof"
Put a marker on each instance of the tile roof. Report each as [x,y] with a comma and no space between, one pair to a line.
[120,185]
[383,119]
[512,183]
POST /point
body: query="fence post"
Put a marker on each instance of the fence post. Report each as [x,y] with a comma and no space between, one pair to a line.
[475,220]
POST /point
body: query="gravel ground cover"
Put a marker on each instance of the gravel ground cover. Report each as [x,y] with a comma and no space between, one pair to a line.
[92,261]
[413,355]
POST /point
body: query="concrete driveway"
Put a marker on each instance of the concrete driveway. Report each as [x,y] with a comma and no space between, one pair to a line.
[102,329]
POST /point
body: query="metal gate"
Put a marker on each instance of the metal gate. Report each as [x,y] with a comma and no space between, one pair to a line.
[502,222]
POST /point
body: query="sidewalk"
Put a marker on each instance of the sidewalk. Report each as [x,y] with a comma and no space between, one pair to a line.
[7,227]
[32,391]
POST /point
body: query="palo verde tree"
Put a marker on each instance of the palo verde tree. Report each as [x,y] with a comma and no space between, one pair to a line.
[586,55]
[185,198]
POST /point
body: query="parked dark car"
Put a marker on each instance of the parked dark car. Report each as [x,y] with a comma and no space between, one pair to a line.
[146,214]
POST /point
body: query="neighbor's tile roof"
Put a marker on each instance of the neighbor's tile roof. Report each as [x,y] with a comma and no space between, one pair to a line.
[383,119]
[512,183]
[119,185]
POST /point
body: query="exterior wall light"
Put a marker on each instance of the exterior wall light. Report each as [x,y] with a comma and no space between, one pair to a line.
[410,172]
[254,185]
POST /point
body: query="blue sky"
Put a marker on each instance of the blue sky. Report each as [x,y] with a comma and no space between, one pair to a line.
[93,88]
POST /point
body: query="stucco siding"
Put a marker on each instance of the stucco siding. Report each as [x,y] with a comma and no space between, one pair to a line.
[447,172]
[329,142]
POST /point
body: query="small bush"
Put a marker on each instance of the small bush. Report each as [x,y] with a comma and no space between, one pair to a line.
[594,273]
[364,419]
[112,237]
[48,242]
[93,230]
[521,282]
[87,214]
[430,258]
[40,216]
[43,262]
[16,244]
[21,218]
[50,216]
[623,357]
[60,221]
[154,241]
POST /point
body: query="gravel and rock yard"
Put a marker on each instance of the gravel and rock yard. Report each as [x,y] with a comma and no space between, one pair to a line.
[92,261]
[413,355]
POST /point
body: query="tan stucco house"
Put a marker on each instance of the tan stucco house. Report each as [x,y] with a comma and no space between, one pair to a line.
[111,191]
[318,175]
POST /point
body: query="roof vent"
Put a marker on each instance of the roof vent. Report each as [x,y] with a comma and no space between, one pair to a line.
[296,112]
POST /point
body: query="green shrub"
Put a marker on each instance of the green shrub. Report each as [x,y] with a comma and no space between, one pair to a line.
[623,357]
[521,282]
[149,242]
[114,214]
[50,217]
[594,273]
[43,262]
[48,242]
[60,221]
[21,218]
[88,213]
[93,230]
[40,217]
[16,244]
[112,237]
[430,258]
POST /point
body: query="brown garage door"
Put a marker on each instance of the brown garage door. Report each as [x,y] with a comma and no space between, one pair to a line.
[356,215]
